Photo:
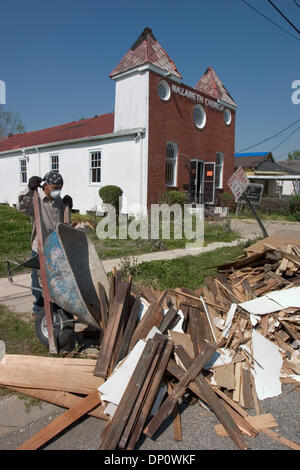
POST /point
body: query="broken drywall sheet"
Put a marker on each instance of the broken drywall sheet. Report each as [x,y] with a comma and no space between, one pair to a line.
[114,387]
[178,326]
[273,301]
[220,358]
[229,320]
[261,306]
[267,366]
[286,297]
[143,308]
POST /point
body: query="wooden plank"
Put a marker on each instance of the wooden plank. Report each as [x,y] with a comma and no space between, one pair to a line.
[121,416]
[43,361]
[199,328]
[155,386]
[247,389]
[283,440]
[49,378]
[161,341]
[152,317]
[64,399]
[130,326]
[170,319]
[110,335]
[62,422]
[234,410]
[260,422]
[177,428]
[197,365]
[103,305]
[238,382]
[214,402]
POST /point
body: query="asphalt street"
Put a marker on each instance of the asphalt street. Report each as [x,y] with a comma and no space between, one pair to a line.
[197,428]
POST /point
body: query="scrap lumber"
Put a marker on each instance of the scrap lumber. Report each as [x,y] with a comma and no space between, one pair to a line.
[177,428]
[154,388]
[103,305]
[234,410]
[112,329]
[129,329]
[64,399]
[124,409]
[170,320]
[214,402]
[62,422]
[197,364]
[143,392]
[152,317]
[260,422]
[42,373]
[283,440]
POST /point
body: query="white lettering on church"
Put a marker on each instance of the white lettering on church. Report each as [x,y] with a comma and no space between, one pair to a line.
[188,93]
[196,97]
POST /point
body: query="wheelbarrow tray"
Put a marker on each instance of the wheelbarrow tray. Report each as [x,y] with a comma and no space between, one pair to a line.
[73,272]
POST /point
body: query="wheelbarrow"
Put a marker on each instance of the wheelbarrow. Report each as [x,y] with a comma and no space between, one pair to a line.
[73,273]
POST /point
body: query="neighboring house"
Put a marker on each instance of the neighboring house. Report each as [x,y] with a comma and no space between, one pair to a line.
[162,135]
[292,187]
[278,179]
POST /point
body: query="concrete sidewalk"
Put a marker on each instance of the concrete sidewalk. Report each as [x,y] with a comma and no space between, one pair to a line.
[20,299]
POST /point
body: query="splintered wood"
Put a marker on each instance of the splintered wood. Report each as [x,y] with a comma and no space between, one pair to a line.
[228,344]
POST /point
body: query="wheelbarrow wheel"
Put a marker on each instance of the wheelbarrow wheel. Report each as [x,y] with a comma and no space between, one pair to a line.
[63,327]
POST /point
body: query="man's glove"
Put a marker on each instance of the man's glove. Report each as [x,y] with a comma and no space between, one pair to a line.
[68,201]
[34,182]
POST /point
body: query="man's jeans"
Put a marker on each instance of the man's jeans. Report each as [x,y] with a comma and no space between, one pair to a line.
[39,300]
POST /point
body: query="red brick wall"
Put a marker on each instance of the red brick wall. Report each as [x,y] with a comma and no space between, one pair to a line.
[173,121]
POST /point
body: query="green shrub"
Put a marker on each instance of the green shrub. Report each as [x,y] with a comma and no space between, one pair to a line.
[110,194]
[295,204]
[174,197]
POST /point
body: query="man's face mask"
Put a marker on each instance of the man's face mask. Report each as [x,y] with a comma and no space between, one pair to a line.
[55,193]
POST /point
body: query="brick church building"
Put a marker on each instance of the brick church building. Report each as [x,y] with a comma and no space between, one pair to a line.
[162,135]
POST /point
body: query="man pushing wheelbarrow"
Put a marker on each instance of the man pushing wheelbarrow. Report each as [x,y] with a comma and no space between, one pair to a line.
[52,210]
[72,275]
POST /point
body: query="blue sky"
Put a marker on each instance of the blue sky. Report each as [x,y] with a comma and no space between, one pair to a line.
[56,57]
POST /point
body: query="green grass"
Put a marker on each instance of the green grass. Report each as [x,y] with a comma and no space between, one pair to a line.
[16,231]
[15,236]
[188,271]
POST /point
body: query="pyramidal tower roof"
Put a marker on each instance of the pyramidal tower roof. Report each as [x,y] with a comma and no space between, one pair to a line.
[212,85]
[146,50]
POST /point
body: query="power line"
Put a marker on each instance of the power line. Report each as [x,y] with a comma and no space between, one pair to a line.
[268,19]
[272,137]
[296,3]
[283,16]
[290,135]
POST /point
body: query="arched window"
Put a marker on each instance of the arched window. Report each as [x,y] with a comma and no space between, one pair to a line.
[171,163]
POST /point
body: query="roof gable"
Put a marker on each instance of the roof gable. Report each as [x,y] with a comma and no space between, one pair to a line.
[146,50]
[212,85]
[95,126]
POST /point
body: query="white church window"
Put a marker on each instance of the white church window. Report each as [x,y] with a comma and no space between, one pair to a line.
[164,90]
[23,171]
[171,163]
[219,170]
[54,162]
[227,116]
[199,116]
[95,167]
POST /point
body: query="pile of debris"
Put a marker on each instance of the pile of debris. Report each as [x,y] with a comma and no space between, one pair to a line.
[227,345]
